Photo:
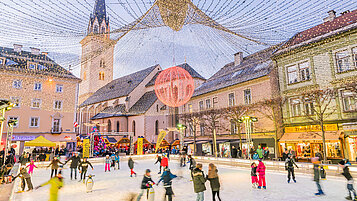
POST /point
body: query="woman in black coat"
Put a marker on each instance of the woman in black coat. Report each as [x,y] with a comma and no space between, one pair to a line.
[214,181]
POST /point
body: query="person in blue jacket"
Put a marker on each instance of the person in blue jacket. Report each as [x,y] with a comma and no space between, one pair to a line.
[167,177]
[117,159]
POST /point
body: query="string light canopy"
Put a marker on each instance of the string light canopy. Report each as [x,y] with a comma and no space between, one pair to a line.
[174,86]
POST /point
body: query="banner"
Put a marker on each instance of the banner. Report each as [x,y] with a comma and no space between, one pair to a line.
[311,128]
[86,146]
[160,138]
[139,148]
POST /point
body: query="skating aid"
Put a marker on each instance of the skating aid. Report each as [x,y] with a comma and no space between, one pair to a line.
[89,183]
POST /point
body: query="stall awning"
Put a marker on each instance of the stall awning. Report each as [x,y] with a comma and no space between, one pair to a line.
[311,136]
[40,141]
[124,140]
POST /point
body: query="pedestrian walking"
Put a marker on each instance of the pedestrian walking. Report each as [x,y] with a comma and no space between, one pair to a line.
[146,183]
[83,167]
[261,174]
[199,181]
[317,175]
[75,160]
[213,178]
[54,166]
[289,166]
[346,173]
[131,166]
[167,178]
[56,184]
[253,174]
[108,161]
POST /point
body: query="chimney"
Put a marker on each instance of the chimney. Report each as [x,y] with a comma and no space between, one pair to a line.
[17,48]
[35,51]
[45,53]
[345,12]
[331,16]
[238,58]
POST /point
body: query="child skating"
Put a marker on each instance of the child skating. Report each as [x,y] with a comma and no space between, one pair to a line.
[167,177]
[131,167]
[146,184]
[108,161]
[253,174]
[261,173]
[31,167]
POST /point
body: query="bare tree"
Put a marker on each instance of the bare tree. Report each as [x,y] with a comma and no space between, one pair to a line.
[318,108]
[191,120]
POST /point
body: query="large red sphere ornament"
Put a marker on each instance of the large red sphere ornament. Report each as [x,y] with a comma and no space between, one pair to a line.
[174,86]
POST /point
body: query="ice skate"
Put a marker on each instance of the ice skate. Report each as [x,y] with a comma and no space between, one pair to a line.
[264,187]
[294,181]
[348,198]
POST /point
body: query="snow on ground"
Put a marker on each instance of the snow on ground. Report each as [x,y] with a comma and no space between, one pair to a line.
[236,185]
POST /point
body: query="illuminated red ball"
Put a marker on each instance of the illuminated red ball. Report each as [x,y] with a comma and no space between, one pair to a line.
[174,86]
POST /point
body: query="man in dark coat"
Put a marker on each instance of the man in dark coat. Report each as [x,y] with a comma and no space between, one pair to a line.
[289,166]
[234,152]
[199,181]
[74,164]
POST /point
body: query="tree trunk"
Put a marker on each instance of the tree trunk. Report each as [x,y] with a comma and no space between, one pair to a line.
[240,139]
[323,142]
[214,142]
[194,142]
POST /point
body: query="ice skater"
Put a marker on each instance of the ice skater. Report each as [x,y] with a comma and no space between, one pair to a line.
[164,162]
[348,176]
[253,174]
[192,162]
[31,166]
[131,167]
[316,162]
[289,166]
[108,161]
[54,166]
[25,176]
[146,183]
[117,160]
[261,173]
[213,178]
[56,184]
[83,167]
[75,160]
[158,160]
[167,178]
[199,181]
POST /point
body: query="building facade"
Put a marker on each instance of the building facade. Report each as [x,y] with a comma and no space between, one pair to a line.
[323,57]
[44,93]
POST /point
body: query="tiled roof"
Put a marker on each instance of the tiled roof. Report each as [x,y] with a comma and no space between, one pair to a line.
[18,61]
[185,66]
[335,26]
[252,67]
[110,111]
[119,87]
[143,104]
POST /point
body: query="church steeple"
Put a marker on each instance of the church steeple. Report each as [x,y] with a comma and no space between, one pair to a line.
[99,22]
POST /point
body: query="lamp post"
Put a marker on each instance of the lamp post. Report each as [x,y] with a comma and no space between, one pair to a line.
[5,105]
[247,120]
[10,130]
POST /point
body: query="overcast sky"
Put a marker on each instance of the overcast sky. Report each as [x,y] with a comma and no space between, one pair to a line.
[57,26]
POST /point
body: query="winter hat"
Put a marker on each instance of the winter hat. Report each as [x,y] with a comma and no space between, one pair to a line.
[342,162]
[148,171]
[260,159]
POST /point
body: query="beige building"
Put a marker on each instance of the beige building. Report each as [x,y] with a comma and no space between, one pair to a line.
[45,95]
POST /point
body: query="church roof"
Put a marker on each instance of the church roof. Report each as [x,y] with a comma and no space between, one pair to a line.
[111,111]
[119,87]
[100,12]
[143,104]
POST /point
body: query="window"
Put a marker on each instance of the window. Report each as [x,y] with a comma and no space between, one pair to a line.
[101,75]
[59,88]
[37,86]
[118,126]
[309,107]
[304,71]
[133,128]
[349,100]
[109,126]
[190,107]
[32,66]
[202,129]
[103,29]
[208,103]
[17,84]
[342,60]
[295,107]
[157,127]
[201,106]
[215,102]
[56,125]
[95,29]
[16,101]
[292,74]
[102,63]
[57,105]
[36,103]
[157,108]
[231,100]
[298,73]
[354,56]
[234,128]
[34,122]
[14,118]
[247,96]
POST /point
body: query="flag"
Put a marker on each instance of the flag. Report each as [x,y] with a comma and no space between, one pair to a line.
[160,138]
[139,147]
[75,124]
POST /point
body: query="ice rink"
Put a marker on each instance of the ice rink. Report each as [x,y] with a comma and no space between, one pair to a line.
[236,185]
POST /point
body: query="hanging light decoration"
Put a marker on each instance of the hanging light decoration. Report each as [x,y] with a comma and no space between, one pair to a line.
[174,86]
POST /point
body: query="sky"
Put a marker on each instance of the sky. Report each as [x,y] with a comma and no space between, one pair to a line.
[57,26]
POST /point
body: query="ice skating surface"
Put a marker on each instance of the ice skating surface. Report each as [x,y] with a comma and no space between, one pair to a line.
[235,182]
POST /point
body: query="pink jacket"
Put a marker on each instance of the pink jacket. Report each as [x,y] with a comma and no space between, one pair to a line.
[31,166]
[261,168]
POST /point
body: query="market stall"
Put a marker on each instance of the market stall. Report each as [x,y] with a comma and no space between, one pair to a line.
[40,141]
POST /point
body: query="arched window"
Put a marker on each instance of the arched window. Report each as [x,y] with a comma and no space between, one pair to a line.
[133,127]
[157,108]
[103,29]
[101,75]
[157,127]
[95,30]
[109,126]
[118,126]
[102,63]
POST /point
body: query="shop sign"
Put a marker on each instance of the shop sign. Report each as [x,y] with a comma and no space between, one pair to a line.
[67,138]
[86,146]
[23,138]
[311,128]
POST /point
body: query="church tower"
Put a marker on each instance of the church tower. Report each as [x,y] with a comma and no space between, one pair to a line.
[97,53]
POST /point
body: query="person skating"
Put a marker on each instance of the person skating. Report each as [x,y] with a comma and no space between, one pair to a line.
[261,173]
[56,184]
[117,160]
[83,167]
[164,162]
[253,174]
[131,166]
[192,162]
[348,176]
[31,167]
[146,183]
[108,161]
[26,176]
[158,160]
[112,157]
[75,160]
[167,177]
[54,166]
[316,163]
[199,181]
[289,166]
[213,178]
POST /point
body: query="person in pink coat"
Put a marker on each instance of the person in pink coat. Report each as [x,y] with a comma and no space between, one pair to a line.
[261,172]
[31,166]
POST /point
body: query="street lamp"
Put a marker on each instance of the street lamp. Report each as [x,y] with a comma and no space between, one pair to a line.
[247,120]
[5,105]
[181,128]
[10,131]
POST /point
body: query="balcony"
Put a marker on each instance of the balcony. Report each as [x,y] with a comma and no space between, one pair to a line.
[56,130]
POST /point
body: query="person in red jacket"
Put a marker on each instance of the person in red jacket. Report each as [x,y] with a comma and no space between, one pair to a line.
[164,162]
[261,172]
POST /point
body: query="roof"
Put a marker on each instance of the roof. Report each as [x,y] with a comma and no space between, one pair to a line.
[252,67]
[18,61]
[322,31]
[119,87]
[143,104]
[185,66]
[110,111]
[99,12]
[40,141]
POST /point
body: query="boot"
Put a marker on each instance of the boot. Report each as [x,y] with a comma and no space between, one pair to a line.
[259,187]
[288,180]
[320,193]
[348,198]
[294,181]
[264,187]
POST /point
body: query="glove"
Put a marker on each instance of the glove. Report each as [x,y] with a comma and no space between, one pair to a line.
[37,187]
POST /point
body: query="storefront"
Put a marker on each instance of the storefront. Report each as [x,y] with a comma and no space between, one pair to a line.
[350,133]
[224,149]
